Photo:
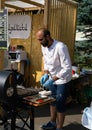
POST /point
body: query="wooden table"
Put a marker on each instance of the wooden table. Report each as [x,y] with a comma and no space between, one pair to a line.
[36,101]
[28,104]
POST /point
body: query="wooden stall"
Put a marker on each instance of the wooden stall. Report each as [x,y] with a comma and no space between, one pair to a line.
[60,18]
[57,15]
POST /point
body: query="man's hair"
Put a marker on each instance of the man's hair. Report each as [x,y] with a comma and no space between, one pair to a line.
[45,31]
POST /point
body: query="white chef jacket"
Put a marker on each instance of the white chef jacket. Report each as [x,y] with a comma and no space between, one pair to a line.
[57,62]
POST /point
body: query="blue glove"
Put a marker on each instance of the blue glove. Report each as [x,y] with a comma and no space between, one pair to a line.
[44,78]
[48,83]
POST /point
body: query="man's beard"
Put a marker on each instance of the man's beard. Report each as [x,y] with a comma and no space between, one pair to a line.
[45,43]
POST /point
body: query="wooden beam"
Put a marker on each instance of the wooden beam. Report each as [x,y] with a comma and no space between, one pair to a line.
[14,7]
[33,8]
[69,2]
[33,3]
[2,4]
[46,13]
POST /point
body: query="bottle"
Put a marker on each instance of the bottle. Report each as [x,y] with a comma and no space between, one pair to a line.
[78,71]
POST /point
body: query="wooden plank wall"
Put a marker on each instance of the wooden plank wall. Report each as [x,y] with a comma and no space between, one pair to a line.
[33,49]
[61,20]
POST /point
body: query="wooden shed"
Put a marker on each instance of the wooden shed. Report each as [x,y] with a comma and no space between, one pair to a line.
[59,16]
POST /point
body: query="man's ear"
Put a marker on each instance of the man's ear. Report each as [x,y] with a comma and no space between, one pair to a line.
[47,36]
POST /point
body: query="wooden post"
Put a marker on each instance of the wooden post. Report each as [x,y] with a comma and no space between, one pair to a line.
[2,4]
[46,9]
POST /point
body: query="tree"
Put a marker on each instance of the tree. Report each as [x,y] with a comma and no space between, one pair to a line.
[85,16]
[83,49]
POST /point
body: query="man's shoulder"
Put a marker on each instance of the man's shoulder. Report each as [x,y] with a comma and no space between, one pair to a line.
[59,43]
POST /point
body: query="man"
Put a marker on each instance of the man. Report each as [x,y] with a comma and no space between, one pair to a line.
[57,76]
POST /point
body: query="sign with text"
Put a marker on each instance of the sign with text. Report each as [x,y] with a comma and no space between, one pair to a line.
[19,26]
[3,29]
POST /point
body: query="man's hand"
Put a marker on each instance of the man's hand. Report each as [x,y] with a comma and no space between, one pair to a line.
[44,78]
[48,83]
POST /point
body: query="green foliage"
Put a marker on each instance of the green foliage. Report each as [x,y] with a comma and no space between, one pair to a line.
[85,12]
[85,16]
[84,44]
[83,49]
[83,53]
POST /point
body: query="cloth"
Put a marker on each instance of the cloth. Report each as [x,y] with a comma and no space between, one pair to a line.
[57,62]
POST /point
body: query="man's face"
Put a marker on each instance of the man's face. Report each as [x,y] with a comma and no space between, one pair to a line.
[42,39]
[44,42]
